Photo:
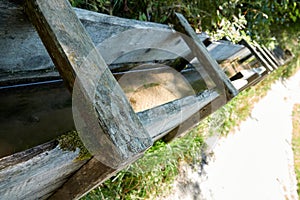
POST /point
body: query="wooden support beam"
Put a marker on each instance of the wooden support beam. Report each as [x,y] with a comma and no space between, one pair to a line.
[74,54]
[271,56]
[208,63]
[37,172]
[258,56]
[195,119]
[265,56]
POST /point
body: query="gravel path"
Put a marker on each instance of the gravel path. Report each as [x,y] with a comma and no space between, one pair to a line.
[254,163]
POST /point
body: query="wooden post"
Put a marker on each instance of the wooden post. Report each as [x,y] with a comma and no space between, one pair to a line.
[209,64]
[214,71]
[74,54]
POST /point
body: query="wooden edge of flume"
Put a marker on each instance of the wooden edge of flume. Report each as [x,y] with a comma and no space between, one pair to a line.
[48,160]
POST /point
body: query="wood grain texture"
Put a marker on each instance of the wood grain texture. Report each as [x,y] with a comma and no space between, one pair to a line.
[265,56]
[271,56]
[193,120]
[36,173]
[23,53]
[84,180]
[158,122]
[75,56]
[210,65]
[221,51]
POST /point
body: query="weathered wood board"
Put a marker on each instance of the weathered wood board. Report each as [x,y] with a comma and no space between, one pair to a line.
[178,112]
[222,51]
[258,56]
[37,172]
[266,56]
[26,57]
[271,56]
[176,117]
[209,64]
[23,50]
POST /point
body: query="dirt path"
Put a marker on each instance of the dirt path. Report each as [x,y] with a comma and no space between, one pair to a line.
[256,162]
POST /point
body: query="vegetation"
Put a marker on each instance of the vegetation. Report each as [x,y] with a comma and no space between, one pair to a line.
[71,142]
[268,22]
[296,143]
[264,21]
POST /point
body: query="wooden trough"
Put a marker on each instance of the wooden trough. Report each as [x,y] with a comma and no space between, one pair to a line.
[150,81]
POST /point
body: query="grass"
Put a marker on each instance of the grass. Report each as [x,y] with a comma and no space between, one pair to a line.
[152,174]
[296,143]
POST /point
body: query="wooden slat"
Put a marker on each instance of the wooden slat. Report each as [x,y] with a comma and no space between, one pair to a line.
[73,52]
[208,63]
[271,56]
[87,178]
[195,119]
[257,55]
[160,120]
[223,51]
[37,172]
[265,56]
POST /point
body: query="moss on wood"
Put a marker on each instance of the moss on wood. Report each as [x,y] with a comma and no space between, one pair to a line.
[70,142]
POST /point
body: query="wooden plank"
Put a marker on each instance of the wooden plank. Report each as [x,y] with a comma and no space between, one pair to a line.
[265,56]
[74,45]
[87,178]
[23,51]
[195,119]
[271,56]
[223,51]
[20,47]
[75,56]
[258,56]
[158,121]
[208,63]
[163,118]
[249,76]
[37,172]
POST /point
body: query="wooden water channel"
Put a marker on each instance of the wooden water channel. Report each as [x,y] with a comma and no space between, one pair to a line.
[46,45]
